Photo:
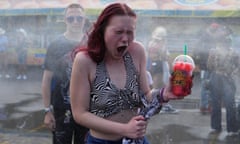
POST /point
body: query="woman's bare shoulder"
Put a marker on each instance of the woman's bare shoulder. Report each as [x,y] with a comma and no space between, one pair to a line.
[84,60]
[138,44]
[136,48]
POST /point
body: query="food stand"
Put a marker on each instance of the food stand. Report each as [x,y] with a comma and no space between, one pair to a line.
[42,19]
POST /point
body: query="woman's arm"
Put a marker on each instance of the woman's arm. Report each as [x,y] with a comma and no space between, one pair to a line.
[141,57]
[80,100]
[138,54]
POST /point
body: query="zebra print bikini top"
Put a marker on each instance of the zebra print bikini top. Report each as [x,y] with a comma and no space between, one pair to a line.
[107,99]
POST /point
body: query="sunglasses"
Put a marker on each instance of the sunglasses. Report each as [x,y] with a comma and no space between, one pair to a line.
[71,19]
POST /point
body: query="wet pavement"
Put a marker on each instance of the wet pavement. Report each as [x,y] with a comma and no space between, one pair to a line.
[187,127]
[21,117]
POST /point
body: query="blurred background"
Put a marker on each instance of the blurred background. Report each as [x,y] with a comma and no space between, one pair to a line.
[21,116]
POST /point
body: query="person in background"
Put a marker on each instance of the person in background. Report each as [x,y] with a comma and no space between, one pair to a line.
[206,41]
[109,81]
[150,80]
[22,45]
[223,62]
[158,63]
[56,79]
[3,54]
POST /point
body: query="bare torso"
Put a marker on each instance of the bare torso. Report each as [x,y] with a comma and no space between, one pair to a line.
[122,117]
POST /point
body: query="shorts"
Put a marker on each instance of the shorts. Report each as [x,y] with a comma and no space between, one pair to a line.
[94,140]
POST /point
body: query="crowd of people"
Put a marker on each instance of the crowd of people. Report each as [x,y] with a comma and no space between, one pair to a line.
[101,86]
[19,40]
[108,84]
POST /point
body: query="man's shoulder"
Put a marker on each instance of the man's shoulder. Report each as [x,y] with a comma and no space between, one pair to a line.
[56,41]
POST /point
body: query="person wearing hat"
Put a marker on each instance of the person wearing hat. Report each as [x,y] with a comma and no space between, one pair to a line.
[3,54]
[158,65]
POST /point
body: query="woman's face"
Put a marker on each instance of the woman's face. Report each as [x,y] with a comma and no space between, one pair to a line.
[118,35]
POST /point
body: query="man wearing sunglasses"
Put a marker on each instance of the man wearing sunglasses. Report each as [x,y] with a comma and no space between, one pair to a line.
[55,83]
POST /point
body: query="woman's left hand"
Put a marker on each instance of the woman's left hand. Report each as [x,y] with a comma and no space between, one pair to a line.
[168,95]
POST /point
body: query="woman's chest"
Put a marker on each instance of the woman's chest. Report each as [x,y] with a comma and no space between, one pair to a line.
[117,75]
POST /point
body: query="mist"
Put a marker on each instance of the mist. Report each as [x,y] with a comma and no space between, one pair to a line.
[21,106]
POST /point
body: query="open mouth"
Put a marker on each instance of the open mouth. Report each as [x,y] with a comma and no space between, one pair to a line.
[121,49]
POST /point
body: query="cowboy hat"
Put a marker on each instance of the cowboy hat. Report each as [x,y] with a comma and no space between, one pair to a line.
[159,33]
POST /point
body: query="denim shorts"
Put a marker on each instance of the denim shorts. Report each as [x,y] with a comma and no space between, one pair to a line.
[94,140]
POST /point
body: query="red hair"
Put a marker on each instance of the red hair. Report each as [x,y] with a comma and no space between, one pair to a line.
[96,44]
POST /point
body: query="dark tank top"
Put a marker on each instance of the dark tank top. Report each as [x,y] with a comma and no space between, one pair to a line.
[107,99]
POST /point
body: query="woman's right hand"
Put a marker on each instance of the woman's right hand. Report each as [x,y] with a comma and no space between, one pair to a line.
[136,127]
[49,121]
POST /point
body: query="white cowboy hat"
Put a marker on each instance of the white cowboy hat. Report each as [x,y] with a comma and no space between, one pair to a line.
[2,31]
[159,33]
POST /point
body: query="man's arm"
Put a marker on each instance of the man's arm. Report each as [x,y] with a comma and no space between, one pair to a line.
[49,119]
[46,87]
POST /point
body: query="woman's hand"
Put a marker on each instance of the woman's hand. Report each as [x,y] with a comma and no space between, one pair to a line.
[136,127]
[168,95]
[186,89]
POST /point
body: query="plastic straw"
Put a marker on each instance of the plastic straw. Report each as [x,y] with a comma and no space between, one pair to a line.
[185,49]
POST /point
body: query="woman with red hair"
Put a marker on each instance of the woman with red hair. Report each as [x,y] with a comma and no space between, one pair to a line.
[108,81]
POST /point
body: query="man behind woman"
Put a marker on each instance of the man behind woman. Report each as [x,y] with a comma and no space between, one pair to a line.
[56,79]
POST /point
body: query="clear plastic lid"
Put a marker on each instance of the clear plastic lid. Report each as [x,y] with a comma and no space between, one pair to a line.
[183,63]
[184,59]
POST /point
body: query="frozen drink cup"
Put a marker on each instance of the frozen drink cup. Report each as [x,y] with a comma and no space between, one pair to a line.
[181,80]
